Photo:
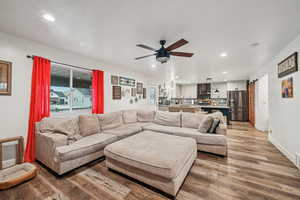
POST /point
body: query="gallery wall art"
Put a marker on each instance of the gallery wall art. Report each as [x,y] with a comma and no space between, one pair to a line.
[288,65]
[287,88]
[117,94]
[5,77]
[114,80]
[126,81]
[139,87]
[133,92]
[144,93]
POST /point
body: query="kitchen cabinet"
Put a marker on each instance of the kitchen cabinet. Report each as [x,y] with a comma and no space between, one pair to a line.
[203,90]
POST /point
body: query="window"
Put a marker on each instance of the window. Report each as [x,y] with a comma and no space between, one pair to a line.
[70,89]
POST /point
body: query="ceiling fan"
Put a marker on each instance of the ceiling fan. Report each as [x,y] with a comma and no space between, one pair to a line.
[163,54]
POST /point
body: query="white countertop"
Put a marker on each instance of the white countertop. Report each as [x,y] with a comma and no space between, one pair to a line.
[210,106]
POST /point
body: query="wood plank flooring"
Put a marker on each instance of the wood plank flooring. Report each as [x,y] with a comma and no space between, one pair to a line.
[253,170]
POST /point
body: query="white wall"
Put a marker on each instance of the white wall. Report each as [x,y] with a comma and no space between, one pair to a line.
[222,87]
[14,110]
[237,85]
[284,113]
[189,91]
[178,90]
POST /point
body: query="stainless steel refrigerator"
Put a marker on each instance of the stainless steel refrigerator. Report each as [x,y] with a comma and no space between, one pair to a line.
[238,103]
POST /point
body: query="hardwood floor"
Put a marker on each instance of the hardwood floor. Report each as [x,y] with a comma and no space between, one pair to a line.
[254,170]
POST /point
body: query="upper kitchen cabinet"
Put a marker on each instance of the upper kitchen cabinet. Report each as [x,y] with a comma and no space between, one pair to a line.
[203,90]
[237,85]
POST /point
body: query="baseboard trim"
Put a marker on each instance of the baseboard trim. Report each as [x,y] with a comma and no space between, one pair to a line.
[283,150]
[8,163]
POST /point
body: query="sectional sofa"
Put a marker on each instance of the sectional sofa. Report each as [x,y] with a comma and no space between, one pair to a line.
[65,143]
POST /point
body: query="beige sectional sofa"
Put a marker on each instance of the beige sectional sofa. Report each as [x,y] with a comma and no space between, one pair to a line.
[65,143]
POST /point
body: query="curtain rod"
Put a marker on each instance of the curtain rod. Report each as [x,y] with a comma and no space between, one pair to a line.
[74,66]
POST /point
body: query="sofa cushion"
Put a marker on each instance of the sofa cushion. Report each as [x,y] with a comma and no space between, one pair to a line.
[124,131]
[202,138]
[83,147]
[145,115]
[110,120]
[160,128]
[88,125]
[206,124]
[167,119]
[129,116]
[148,151]
[191,120]
[221,129]
[64,125]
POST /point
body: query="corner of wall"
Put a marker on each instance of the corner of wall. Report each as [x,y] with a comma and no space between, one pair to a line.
[283,150]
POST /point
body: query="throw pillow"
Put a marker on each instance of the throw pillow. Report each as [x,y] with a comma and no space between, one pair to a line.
[214,126]
[168,118]
[110,120]
[129,116]
[206,124]
[191,120]
[145,115]
[88,125]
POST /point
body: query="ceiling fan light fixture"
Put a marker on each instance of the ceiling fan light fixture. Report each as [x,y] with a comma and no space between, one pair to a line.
[162,56]
[162,59]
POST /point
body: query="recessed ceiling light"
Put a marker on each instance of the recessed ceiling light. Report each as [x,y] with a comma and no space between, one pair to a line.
[223,55]
[153,66]
[49,17]
[224,72]
[225,80]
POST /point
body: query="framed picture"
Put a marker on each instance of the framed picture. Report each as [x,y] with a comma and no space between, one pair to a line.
[288,65]
[287,88]
[133,92]
[5,77]
[114,80]
[126,81]
[144,93]
[139,87]
[116,92]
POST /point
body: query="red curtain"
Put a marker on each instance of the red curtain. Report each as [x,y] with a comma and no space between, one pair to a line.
[39,102]
[98,92]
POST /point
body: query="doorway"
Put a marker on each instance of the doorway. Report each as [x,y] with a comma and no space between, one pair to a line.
[262,104]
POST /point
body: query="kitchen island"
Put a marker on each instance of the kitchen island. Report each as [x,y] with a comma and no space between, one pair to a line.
[225,110]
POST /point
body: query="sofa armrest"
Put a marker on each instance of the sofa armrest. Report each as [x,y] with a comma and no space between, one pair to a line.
[46,144]
[221,129]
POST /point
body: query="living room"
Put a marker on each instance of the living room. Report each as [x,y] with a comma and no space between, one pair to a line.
[149,100]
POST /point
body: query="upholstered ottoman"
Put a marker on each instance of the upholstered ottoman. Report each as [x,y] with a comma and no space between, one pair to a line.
[159,160]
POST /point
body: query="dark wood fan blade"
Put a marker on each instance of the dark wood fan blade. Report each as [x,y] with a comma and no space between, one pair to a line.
[177,44]
[145,56]
[183,54]
[146,47]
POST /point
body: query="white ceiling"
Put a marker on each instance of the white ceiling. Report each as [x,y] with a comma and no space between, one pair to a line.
[109,30]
